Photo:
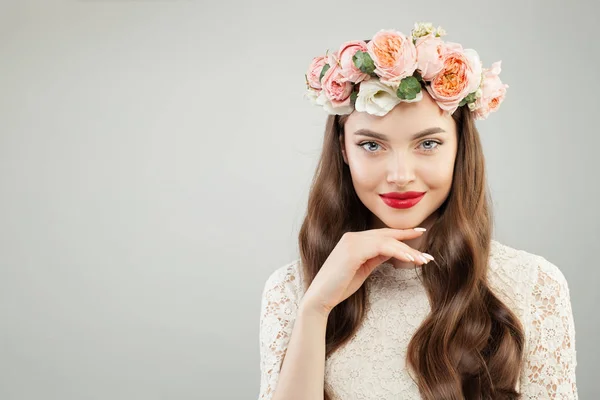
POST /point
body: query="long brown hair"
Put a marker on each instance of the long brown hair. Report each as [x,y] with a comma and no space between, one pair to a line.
[471,344]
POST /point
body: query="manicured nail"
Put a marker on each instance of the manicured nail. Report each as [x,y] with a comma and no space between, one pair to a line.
[411,258]
[423,259]
[428,256]
[420,229]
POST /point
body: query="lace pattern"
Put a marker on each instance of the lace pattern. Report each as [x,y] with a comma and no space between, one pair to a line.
[279,304]
[372,364]
[550,364]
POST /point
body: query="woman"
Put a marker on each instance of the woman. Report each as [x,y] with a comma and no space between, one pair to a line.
[400,291]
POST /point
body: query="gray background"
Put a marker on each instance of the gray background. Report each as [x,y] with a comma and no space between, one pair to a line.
[155,158]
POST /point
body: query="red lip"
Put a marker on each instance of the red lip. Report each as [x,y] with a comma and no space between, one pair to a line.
[402,200]
[402,195]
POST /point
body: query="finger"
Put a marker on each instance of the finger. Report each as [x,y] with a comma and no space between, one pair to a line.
[401,234]
[371,264]
[397,250]
[413,255]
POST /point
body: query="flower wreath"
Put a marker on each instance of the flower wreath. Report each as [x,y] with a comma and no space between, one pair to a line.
[376,75]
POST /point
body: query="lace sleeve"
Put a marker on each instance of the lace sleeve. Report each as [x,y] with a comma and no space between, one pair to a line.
[550,360]
[279,304]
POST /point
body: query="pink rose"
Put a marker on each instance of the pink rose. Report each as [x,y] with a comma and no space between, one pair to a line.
[493,92]
[349,70]
[460,76]
[335,89]
[430,56]
[314,71]
[394,55]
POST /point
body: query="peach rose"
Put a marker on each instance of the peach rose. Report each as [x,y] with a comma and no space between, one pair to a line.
[314,71]
[460,76]
[493,92]
[348,69]
[430,56]
[335,95]
[394,55]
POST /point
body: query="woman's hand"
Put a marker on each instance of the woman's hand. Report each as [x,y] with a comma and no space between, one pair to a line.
[353,259]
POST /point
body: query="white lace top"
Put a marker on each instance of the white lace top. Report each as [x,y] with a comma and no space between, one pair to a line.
[372,364]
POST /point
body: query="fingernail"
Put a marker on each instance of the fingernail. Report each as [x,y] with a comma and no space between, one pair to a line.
[429,256]
[424,259]
[411,258]
[420,229]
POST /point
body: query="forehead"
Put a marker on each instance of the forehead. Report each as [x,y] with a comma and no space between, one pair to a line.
[403,119]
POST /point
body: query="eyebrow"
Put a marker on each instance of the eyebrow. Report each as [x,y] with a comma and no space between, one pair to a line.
[381,136]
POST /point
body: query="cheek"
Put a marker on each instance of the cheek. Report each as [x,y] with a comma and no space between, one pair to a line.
[365,172]
[438,174]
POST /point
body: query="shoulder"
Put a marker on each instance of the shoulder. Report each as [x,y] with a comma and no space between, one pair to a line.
[537,291]
[509,260]
[522,266]
[285,281]
[518,275]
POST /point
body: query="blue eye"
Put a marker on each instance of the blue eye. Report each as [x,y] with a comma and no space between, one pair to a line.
[364,143]
[431,148]
[427,146]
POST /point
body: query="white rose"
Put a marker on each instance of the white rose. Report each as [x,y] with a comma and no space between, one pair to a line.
[378,99]
[312,95]
[322,100]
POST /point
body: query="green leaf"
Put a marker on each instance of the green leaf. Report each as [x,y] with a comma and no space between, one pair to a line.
[469,99]
[417,75]
[409,88]
[323,71]
[363,61]
[353,96]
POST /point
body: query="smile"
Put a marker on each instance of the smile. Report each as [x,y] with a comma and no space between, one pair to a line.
[396,202]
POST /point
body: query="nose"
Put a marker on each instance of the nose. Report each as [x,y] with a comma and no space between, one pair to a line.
[401,171]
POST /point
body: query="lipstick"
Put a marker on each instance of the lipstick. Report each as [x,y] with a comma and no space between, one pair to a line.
[402,199]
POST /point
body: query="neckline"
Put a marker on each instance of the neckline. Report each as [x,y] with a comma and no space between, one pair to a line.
[412,273]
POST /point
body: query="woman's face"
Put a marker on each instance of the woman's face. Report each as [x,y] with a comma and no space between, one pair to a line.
[384,156]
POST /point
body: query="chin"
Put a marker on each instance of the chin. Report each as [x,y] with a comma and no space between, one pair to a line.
[404,225]
[401,222]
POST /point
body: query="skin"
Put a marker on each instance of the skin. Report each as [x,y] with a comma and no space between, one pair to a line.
[399,163]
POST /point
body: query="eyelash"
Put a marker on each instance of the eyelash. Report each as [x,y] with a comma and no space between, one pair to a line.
[424,141]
